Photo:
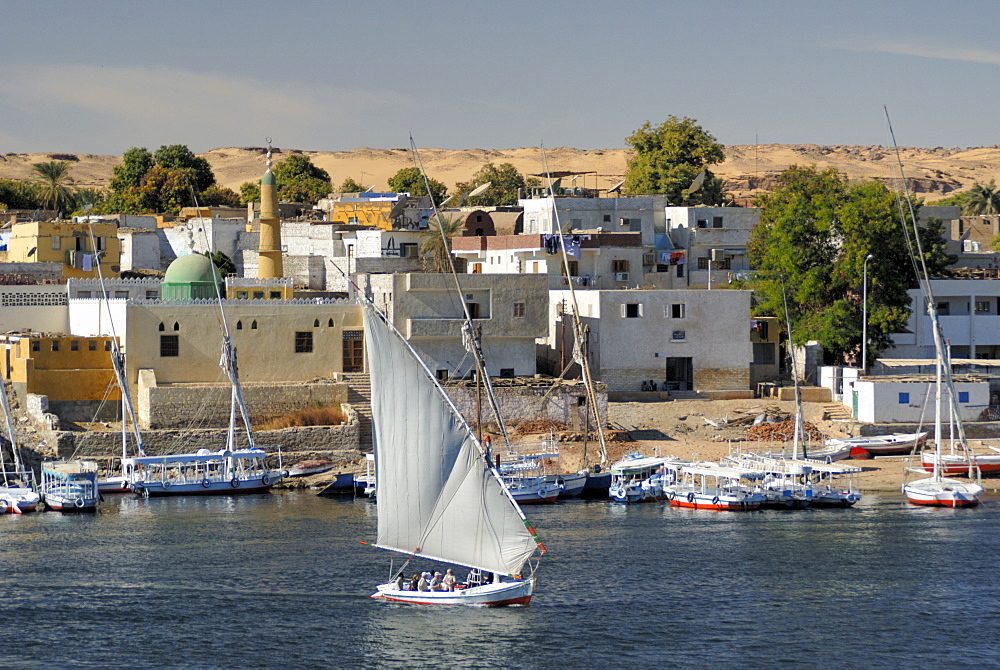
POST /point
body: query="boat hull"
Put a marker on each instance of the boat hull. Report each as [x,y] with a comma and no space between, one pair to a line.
[114,485]
[710,501]
[216,488]
[572,484]
[64,504]
[933,492]
[500,594]
[988,464]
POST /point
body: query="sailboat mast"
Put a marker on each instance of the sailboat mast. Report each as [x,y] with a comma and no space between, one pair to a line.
[14,452]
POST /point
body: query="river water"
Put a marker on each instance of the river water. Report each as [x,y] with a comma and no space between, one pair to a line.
[281,580]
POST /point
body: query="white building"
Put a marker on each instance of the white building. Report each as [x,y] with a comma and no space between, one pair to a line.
[912,399]
[969,311]
[715,241]
[686,339]
[640,214]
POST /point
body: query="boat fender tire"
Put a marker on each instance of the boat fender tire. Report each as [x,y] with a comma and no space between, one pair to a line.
[265,480]
[541,492]
[284,473]
[852,498]
[79,502]
[235,483]
[166,483]
[715,500]
[691,497]
[672,495]
[205,483]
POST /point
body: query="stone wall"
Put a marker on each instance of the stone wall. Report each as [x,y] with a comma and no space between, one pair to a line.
[529,403]
[177,406]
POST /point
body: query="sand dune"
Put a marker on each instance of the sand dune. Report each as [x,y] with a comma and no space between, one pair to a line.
[931,173]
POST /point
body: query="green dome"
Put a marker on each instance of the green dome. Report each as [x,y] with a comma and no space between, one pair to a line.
[191,268]
[267,179]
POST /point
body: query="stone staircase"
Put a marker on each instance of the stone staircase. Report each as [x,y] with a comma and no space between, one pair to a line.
[686,395]
[359,397]
[836,412]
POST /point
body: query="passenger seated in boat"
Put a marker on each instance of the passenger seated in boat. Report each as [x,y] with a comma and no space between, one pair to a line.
[448,581]
[414,582]
[423,584]
[436,582]
[398,582]
[475,578]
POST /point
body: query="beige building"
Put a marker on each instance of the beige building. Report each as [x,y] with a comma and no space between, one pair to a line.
[75,245]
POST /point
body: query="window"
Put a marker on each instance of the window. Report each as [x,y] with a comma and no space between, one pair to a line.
[107,345]
[176,326]
[904,398]
[55,345]
[631,310]
[680,270]
[607,218]
[316,323]
[477,268]
[303,342]
[963,396]
[703,263]
[253,325]
[473,309]
[507,372]
[674,311]
[943,308]
[83,294]
[982,306]
[703,223]
[619,266]
[354,351]
[717,222]
[329,324]
[169,345]
[275,295]
[162,328]
[258,295]
[121,294]
[242,295]
[763,353]
[519,309]
[239,325]
[56,243]
[74,345]
[152,295]
[442,375]
[92,345]
[36,345]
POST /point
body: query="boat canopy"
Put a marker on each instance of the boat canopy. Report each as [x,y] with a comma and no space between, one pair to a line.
[639,464]
[438,495]
[202,456]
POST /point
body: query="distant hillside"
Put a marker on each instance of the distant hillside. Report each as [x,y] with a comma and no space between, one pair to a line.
[931,173]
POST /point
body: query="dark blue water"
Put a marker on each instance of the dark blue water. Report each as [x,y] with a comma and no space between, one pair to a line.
[280,580]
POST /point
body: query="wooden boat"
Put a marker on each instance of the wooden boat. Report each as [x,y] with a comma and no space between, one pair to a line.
[306,468]
[714,487]
[957,463]
[70,485]
[440,495]
[896,444]
[572,485]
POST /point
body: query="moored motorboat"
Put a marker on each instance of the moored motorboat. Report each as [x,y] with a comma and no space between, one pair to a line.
[201,473]
[70,486]
[572,485]
[784,482]
[957,463]
[637,478]
[714,487]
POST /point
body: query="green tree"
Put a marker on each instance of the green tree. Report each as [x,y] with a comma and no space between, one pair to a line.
[670,157]
[52,178]
[982,199]
[435,251]
[179,157]
[223,262]
[249,192]
[298,180]
[136,162]
[351,186]
[219,196]
[16,194]
[809,251]
[506,185]
[410,180]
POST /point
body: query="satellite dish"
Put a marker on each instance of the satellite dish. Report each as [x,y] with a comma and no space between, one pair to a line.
[696,184]
[617,187]
[370,188]
[479,190]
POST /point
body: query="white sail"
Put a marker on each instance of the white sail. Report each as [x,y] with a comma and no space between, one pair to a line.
[437,495]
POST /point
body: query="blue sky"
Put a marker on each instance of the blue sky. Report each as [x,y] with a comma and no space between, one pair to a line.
[102,76]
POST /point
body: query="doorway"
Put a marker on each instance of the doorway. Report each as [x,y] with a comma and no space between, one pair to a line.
[679,374]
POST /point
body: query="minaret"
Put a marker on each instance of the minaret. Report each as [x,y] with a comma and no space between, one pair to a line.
[269,261]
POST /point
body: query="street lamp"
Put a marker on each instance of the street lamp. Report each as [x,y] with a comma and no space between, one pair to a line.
[864,315]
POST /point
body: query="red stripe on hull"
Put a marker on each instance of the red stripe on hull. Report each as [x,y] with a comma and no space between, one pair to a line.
[522,600]
[944,503]
[721,507]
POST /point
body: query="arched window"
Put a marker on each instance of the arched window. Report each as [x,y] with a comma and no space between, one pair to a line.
[329,324]
[239,325]
[161,327]
[316,323]
[176,326]
[253,326]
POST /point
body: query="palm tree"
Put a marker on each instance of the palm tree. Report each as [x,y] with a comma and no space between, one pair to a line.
[52,177]
[435,252]
[982,199]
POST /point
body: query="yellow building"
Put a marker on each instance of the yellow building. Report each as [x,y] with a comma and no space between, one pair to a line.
[68,243]
[75,373]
